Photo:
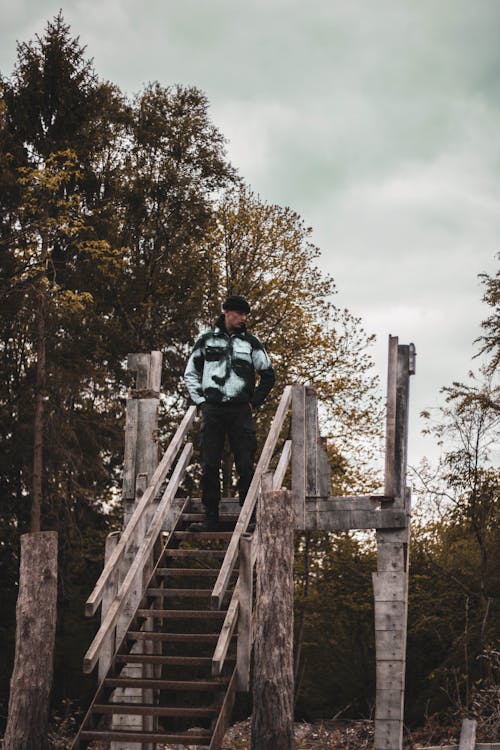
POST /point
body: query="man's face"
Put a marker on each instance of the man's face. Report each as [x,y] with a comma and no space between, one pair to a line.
[234,320]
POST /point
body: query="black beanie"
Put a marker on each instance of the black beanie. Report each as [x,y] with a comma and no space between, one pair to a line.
[235,302]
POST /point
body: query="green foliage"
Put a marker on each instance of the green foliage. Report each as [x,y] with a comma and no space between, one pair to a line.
[334,626]
[490,341]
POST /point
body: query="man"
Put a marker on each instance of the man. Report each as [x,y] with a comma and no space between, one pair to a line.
[220,378]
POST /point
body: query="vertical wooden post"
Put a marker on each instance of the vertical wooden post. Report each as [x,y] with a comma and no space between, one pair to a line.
[245,614]
[317,471]
[108,649]
[298,456]
[311,442]
[272,719]
[141,460]
[468,735]
[390,582]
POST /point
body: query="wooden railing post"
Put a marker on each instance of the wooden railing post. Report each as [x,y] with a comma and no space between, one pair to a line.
[299,455]
[390,582]
[108,648]
[272,719]
[245,626]
[317,471]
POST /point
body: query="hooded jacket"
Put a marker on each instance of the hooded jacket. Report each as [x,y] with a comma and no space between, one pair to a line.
[221,368]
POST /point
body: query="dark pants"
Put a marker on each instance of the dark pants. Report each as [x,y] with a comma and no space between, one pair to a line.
[237,423]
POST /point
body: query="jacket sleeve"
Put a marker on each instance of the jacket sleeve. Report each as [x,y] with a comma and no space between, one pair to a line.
[193,374]
[263,366]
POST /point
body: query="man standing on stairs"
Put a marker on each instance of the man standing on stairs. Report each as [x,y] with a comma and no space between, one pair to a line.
[220,378]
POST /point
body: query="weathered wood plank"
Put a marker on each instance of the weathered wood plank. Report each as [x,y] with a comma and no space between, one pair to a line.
[401,437]
[128,484]
[246,512]
[390,429]
[109,594]
[390,586]
[324,470]
[298,455]
[390,675]
[388,734]
[311,441]
[281,469]
[272,718]
[155,371]
[224,717]
[467,739]
[140,364]
[347,502]
[343,520]
[390,704]
[390,556]
[390,616]
[390,645]
[226,634]
[245,594]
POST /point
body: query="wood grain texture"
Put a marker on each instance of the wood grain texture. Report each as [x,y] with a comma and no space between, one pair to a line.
[273,688]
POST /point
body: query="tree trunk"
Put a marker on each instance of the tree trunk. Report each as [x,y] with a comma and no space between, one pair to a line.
[272,719]
[31,679]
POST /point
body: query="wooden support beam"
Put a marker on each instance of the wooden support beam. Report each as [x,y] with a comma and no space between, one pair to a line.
[390,427]
[468,735]
[311,441]
[245,613]
[344,520]
[390,583]
[272,718]
[108,648]
[344,513]
[298,454]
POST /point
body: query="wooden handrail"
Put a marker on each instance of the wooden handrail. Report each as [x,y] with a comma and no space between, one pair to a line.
[232,613]
[246,512]
[157,479]
[139,561]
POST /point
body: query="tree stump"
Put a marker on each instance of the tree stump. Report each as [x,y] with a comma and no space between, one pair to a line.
[272,719]
[36,614]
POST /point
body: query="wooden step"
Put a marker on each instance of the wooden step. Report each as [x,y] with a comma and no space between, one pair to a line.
[224,518]
[195,553]
[195,593]
[204,535]
[141,709]
[183,614]
[189,739]
[216,683]
[184,661]
[184,593]
[147,635]
[202,572]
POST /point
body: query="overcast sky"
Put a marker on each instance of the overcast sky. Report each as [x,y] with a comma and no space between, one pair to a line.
[378,122]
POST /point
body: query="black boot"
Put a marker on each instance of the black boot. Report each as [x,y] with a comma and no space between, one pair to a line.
[209,523]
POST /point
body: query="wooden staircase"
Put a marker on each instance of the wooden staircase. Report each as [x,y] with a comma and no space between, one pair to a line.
[171,640]
[176,635]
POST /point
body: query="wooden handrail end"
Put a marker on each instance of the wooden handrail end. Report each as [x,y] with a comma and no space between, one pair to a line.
[215,601]
[88,665]
[216,667]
